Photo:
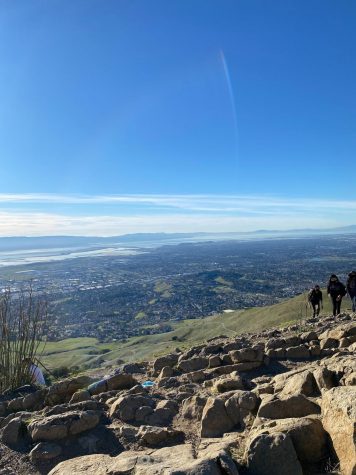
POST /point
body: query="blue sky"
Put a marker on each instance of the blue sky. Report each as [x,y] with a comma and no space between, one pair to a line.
[182,115]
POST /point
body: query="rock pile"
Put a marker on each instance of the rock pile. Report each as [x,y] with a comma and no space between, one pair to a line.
[279,402]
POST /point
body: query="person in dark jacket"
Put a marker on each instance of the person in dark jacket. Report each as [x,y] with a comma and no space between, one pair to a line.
[315,297]
[351,288]
[336,290]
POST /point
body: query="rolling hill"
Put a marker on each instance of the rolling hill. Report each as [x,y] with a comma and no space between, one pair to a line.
[88,352]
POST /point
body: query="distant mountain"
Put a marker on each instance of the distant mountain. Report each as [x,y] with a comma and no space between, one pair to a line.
[51,242]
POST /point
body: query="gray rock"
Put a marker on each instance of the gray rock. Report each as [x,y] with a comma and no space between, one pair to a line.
[45,451]
[193,406]
[125,406]
[301,383]
[34,401]
[298,352]
[193,364]
[13,432]
[228,383]
[339,420]
[80,396]
[168,360]
[240,406]
[16,405]
[154,436]
[325,379]
[60,426]
[121,381]
[215,420]
[293,406]
[273,454]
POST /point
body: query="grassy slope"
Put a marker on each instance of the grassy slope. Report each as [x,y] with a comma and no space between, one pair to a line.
[76,351]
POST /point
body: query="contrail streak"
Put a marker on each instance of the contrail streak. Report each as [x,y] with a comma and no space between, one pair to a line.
[231,96]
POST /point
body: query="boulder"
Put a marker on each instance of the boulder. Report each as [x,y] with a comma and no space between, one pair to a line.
[80,396]
[154,436]
[276,353]
[234,345]
[325,379]
[215,421]
[274,343]
[166,372]
[272,453]
[297,352]
[168,360]
[175,460]
[309,438]
[60,426]
[133,368]
[45,451]
[193,406]
[226,359]
[327,343]
[13,432]
[293,406]
[240,406]
[16,405]
[34,401]
[24,416]
[91,405]
[163,414]
[292,341]
[195,376]
[63,390]
[193,364]
[301,383]
[120,381]
[247,354]
[309,336]
[228,383]
[143,413]
[125,406]
[241,367]
[214,361]
[339,420]
[211,349]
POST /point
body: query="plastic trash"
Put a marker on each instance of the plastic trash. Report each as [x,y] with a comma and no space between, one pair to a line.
[147,384]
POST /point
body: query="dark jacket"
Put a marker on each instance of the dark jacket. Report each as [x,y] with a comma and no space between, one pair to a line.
[336,288]
[315,296]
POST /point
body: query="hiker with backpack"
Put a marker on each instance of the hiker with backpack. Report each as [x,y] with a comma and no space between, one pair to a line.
[351,288]
[336,290]
[315,298]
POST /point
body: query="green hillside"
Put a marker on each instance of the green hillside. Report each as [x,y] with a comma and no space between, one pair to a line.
[86,351]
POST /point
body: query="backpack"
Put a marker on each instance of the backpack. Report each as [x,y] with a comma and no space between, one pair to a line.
[351,282]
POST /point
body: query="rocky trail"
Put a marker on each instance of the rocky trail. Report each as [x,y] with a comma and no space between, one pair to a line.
[279,402]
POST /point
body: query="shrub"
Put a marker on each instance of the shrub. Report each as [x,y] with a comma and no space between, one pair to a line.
[23,320]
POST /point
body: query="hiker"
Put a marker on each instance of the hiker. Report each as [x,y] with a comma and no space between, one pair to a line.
[351,288]
[35,372]
[336,290]
[315,297]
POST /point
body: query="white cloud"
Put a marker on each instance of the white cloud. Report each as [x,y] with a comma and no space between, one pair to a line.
[33,214]
[39,224]
[209,203]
